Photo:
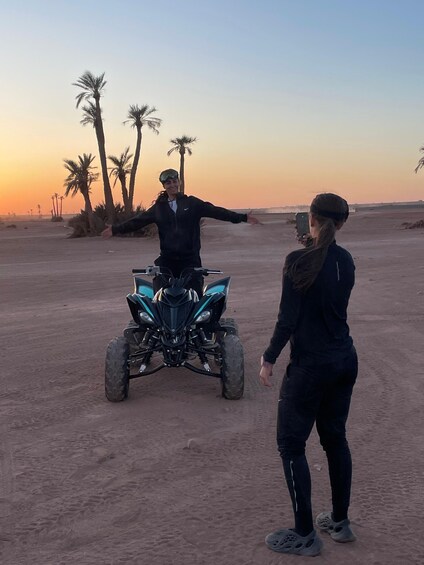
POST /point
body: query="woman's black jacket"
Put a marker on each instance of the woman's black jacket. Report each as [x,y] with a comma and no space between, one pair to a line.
[315,321]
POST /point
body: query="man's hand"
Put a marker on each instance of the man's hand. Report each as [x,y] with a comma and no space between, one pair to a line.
[252,219]
[265,373]
[107,233]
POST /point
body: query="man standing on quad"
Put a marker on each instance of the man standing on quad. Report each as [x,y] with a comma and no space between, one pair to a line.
[178,219]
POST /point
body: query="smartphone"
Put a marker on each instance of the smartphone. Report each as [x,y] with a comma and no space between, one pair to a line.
[302,223]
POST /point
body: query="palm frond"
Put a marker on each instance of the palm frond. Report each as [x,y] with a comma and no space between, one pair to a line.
[80,175]
[80,97]
[181,144]
[138,116]
[90,114]
[420,164]
[115,160]
[91,85]
[86,160]
[421,161]
[122,164]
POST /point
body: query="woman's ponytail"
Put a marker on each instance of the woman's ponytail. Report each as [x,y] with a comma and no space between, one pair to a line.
[330,212]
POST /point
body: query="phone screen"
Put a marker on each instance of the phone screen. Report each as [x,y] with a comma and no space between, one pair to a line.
[302,223]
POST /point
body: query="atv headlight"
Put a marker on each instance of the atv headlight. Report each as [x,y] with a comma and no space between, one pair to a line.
[203,317]
[145,318]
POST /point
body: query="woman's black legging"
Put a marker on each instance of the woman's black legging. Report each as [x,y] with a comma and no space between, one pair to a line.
[316,394]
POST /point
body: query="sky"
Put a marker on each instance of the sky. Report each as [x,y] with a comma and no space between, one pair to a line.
[286,98]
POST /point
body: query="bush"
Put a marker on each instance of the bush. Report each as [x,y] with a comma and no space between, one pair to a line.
[413,225]
[81,228]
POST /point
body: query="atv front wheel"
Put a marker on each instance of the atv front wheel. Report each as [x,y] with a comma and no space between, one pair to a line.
[230,325]
[232,369]
[116,370]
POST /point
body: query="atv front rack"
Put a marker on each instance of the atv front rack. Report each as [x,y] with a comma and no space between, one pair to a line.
[186,364]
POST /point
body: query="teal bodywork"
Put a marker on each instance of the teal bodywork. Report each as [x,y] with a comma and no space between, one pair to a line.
[145,290]
[214,288]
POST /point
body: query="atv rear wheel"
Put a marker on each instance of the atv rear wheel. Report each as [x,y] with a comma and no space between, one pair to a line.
[232,369]
[116,370]
[230,325]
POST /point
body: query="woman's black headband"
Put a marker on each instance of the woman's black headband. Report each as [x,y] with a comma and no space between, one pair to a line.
[337,216]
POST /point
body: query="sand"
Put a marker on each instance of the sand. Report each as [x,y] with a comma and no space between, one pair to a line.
[176,474]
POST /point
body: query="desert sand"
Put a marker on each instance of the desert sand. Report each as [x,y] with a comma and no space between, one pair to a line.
[177,475]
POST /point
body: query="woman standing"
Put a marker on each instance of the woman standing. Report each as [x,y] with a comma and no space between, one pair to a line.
[318,383]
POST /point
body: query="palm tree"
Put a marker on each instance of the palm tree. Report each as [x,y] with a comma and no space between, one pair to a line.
[54,208]
[92,87]
[139,117]
[421,161]
[79,180]
[120,171]
[181,145]
[56,196]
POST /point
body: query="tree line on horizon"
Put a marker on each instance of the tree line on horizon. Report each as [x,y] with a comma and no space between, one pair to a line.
[81,173]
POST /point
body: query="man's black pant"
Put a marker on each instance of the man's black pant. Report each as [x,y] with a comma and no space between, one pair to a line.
[320,394]
[176,266]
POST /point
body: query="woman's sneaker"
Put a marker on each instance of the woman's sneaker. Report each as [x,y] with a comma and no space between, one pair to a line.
[339,531]
[288,541]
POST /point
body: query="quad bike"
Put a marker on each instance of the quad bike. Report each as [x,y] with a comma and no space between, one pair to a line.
[174,328]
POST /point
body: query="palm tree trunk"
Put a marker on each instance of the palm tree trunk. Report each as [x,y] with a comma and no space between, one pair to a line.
[89,211]
[125,196]
[134,168]
[182,183]
[110,207]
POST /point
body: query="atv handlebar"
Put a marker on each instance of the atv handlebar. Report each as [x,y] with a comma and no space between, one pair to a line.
[154,270]
[151,270]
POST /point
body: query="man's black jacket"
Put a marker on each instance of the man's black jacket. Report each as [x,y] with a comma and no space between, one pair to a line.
[179,233]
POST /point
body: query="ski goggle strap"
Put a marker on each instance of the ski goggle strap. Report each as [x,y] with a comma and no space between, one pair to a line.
[336,216]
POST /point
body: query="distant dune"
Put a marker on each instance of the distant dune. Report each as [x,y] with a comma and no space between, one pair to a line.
[353,207]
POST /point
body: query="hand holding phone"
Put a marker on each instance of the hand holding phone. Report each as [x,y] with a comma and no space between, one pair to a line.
[303,229]
[302,223]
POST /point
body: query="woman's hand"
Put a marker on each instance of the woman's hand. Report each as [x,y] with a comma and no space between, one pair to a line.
[265,373]
[306,239]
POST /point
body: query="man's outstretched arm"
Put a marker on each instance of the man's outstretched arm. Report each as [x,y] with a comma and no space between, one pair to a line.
[134,224]
[208,210]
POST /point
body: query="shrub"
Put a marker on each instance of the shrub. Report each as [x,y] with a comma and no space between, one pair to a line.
[81,228]
[413,225]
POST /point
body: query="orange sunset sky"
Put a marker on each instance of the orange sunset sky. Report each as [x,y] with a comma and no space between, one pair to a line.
[286,99]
